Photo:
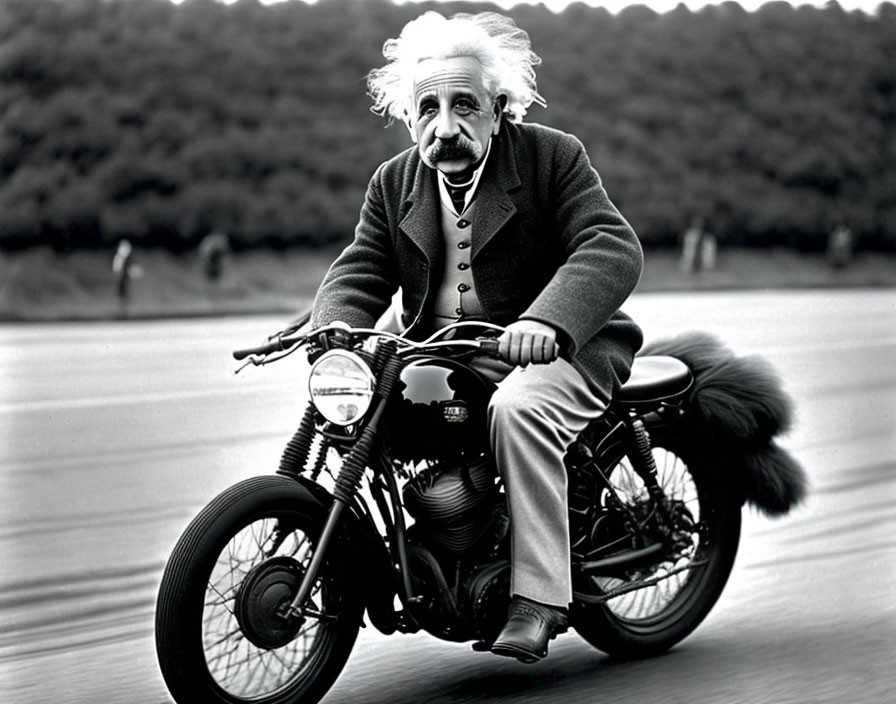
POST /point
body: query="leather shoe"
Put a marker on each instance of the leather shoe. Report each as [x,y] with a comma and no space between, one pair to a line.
[530,627]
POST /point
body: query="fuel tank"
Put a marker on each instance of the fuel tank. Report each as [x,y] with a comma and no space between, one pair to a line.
[442,411]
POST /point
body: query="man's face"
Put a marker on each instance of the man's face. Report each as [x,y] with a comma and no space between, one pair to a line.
[454,116]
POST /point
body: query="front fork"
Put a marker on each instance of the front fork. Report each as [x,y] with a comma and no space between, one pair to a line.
[388,366]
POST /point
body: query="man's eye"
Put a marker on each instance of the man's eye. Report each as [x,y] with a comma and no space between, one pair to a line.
[464,107]
[427,110]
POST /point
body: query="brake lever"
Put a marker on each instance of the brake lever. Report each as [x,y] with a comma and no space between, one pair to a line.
[252,361]
[488,345]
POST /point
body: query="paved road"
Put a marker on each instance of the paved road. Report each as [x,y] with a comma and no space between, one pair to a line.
[113,436]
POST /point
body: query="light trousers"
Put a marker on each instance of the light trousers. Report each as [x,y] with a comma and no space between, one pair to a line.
[535,414]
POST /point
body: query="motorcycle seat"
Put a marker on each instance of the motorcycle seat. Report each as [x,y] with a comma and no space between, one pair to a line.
[655,378]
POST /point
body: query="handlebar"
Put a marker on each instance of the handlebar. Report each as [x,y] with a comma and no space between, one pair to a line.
[288,339]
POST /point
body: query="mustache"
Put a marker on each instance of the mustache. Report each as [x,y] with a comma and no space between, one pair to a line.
[448,150]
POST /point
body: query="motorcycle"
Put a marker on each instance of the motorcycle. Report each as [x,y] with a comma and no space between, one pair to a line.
[387,489]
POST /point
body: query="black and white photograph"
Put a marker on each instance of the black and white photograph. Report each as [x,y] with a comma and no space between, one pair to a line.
[402,351]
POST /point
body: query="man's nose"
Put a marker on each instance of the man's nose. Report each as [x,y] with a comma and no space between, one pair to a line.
[446,125]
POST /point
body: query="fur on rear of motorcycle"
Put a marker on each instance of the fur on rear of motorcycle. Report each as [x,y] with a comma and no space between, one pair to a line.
[739,408]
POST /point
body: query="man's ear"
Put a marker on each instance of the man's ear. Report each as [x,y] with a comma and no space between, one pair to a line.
[500,104]
[411,130]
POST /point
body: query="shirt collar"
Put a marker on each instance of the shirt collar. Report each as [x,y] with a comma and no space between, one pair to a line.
[468,197]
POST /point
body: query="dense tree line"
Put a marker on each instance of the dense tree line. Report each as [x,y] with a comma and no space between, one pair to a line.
[162,122]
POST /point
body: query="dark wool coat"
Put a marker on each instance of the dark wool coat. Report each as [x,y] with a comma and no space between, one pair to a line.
[547,245]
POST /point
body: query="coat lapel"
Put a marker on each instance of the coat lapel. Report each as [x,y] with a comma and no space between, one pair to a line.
[421,223]
[494,207]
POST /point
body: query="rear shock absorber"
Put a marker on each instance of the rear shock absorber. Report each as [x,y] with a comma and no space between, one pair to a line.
[645,465]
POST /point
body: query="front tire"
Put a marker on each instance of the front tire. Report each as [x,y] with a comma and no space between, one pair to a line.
[219,638]
[649,621]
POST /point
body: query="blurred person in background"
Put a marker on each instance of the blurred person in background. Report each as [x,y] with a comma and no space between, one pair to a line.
[840,246]
[122,264]
[213,250]
[125,269]
[698,248]
[488,218]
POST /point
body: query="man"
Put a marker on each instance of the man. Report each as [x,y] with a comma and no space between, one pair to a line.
[489,218]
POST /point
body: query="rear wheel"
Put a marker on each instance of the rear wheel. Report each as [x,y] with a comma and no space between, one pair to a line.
[220,632]
[686,580]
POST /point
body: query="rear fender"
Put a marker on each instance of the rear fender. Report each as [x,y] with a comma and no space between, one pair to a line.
[611,447]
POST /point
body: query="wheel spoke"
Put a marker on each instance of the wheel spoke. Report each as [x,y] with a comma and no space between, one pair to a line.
[666,581]
[222,600]
[237,665]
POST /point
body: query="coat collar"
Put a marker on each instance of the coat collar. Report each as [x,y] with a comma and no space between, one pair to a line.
[494,206]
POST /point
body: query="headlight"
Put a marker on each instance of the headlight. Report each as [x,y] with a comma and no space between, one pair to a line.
[341,386]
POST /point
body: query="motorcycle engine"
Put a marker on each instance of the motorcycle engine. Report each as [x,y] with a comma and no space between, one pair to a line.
[453,503]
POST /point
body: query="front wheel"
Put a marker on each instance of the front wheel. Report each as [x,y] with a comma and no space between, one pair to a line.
[682,585]
[220,633]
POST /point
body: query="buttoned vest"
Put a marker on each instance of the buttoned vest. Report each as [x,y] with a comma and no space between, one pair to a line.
[456,297]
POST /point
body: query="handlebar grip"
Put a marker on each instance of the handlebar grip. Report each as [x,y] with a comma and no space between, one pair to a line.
[267,348]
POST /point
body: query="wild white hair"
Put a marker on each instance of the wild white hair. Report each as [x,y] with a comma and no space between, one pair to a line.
[501,48]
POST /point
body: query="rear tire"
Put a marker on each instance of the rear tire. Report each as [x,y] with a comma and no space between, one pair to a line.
[218,638]
[651,620]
